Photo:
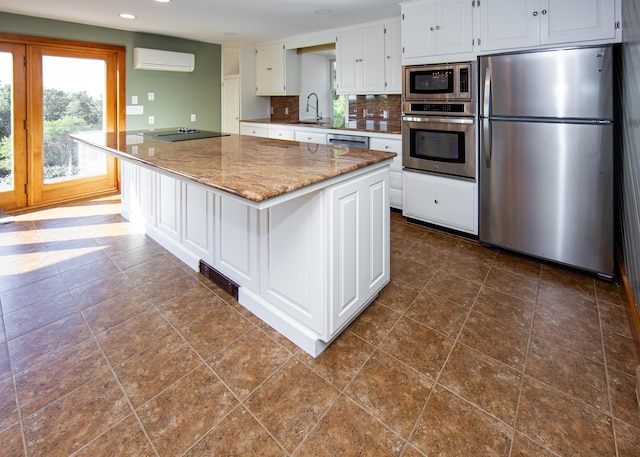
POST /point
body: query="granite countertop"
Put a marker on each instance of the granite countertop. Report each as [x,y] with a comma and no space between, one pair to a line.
[340,123]
[250,167]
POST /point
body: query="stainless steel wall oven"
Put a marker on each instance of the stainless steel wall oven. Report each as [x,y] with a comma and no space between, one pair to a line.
[439,125]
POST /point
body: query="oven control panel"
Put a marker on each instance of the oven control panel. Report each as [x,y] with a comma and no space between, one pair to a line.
[458,109]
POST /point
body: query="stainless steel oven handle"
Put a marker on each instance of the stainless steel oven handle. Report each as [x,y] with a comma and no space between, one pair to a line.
[442,120]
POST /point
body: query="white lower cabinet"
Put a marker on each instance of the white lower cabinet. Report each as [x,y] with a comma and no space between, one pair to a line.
[310,137]
[306,264]
[443,201]
[281,134]
[175,213]
[253,130]
[395,179]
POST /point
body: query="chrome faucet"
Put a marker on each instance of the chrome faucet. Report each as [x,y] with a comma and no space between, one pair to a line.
[318,116]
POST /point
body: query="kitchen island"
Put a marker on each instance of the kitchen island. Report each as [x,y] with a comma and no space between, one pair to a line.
[301,229]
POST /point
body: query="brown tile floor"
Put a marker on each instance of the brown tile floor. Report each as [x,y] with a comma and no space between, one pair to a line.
[110,346]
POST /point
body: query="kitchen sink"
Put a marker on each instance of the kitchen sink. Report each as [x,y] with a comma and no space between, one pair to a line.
[307,122]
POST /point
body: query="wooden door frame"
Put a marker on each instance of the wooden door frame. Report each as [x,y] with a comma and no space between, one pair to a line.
[115,124]
[18,131]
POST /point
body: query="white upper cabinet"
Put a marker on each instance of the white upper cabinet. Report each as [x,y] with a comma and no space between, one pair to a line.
[436,27]
[276,70]
[360,60]
[565,21]
[393,58]
[512,24]
[508,24]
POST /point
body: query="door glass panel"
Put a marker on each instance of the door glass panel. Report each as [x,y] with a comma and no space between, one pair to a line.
[6,121]
[74,95]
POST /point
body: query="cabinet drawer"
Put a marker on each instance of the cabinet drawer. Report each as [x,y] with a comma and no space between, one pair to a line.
[443,201]
[311,137]
[254,131]
[380,144]
[281,134]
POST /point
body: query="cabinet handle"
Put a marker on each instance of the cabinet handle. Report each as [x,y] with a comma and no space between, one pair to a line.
[431,29]
[435,201]
[544,11]
[535,13]
[269,68]
[437,27]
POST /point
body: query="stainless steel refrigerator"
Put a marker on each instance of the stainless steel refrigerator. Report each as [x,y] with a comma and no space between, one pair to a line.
[546,155]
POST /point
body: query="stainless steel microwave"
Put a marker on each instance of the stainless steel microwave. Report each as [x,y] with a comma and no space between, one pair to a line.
[438,82]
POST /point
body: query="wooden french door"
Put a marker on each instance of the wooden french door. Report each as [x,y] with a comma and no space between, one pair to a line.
[13,135]
[59,88]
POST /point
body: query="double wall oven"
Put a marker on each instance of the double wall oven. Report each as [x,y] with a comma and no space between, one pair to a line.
[438,119]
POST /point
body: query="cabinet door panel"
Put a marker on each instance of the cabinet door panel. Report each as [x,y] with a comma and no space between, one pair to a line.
[393,58]
[347,249]
[378,268]
[349,49]
[270,69]
[418,30]
[577,20]
[509,24]
[359,264]
[455,22]
[198,221]
[146,195]
[169,206]
[236,245]
[372,64]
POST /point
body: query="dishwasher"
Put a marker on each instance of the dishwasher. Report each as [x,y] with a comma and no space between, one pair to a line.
[353,141]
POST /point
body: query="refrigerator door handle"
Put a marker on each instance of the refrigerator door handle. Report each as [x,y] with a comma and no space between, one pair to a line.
[486,141]
[486,100]
[486,123]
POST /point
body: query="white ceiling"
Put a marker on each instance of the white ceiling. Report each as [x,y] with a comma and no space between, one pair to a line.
[211,20]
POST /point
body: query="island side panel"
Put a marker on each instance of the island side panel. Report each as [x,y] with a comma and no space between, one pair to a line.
[359,260]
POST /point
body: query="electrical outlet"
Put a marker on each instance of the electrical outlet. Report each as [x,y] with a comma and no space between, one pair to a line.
[152,120]
[286,111]
[134,99]
[193,118]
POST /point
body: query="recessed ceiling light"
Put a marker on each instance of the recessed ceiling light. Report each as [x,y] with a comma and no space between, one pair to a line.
[163,1]
[323,12]
[127,16]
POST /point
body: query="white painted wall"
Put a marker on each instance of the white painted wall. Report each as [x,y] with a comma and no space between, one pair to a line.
[314,77]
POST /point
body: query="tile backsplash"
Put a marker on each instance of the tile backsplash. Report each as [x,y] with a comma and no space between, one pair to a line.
[285,108]
[375,107]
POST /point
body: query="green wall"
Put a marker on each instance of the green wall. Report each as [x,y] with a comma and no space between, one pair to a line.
[177,95]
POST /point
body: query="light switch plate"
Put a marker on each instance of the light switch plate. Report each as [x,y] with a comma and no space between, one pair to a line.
[193,118]
[134,99]
[152,120]
[151,96]
[135,109]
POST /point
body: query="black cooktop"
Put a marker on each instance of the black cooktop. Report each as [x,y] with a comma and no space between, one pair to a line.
[181,134]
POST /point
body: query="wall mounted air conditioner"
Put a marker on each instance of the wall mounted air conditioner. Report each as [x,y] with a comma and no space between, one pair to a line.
[156,59]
